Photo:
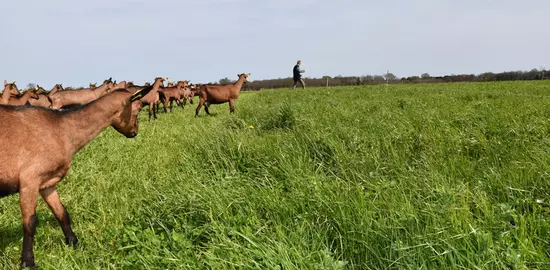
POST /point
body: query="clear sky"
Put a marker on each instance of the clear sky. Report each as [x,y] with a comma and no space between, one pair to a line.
[78,42]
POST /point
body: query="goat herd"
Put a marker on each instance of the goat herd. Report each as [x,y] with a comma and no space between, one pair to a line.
[41,132]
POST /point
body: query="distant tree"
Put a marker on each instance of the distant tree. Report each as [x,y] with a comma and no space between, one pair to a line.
[31,86]
[486,76]
[368,79]
[534,74]
[225,81]
[390,77]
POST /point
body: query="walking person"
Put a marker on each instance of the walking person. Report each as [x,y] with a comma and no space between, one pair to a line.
[297,75]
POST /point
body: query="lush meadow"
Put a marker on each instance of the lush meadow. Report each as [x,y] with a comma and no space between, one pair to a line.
[439,176]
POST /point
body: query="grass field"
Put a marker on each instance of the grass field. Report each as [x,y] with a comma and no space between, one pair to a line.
[450,176]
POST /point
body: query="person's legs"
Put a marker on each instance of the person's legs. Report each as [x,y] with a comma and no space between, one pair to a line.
[294,85]
[302,83]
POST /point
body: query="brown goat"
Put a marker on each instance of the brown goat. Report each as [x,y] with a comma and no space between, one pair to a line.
[117,86]
[39,145]
[218,94]
[43,99]
[194,92]
[152,97]
[56,88]
[171,94]
[40,90]
[24,99]
[130,86]
[79,97]
[185,94]
[10,90]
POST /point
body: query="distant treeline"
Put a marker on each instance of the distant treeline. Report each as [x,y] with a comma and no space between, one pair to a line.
[392,79]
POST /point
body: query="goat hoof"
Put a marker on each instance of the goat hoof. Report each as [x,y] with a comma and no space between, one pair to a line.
[25,266]
[71,241]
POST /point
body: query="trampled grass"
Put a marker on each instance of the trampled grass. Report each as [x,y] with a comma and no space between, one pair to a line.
[453,176]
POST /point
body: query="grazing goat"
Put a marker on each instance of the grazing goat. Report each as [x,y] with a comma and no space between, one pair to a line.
[10,90]
[218,94]
[79,97]
[39,145]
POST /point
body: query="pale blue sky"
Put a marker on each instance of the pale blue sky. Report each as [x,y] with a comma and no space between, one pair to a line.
[77,42]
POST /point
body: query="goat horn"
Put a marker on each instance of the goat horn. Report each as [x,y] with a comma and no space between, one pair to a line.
[140,94]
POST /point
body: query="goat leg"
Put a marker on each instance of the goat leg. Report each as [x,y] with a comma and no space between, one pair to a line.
[206,107]
[231,105]
[51,197]
[28,196]
[201,103]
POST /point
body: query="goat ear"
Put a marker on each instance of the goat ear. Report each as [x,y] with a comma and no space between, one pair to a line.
[141,93]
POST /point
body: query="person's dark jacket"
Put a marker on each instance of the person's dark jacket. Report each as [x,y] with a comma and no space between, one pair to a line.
[297,72]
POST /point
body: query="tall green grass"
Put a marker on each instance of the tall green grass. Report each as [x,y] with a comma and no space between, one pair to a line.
[449,176]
